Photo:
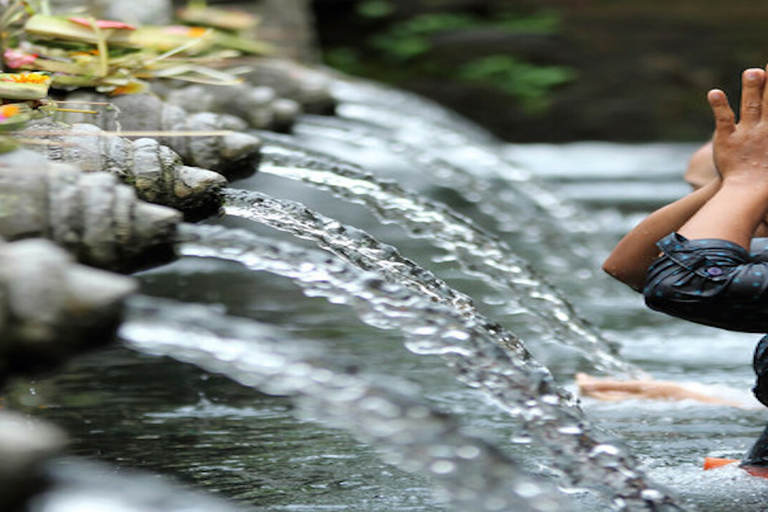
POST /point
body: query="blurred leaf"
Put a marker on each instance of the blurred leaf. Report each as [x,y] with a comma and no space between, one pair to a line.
[375,8]
[546,22]
[402,51]
[530,83]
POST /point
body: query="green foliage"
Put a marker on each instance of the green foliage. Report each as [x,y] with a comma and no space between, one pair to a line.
[531,83]
[399,49]
[375,8]
[411,37]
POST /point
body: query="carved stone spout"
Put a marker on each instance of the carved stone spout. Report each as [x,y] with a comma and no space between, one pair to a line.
[52,307]
[229,152]
[259,106]
[95,217]
[24,447]
[154,170]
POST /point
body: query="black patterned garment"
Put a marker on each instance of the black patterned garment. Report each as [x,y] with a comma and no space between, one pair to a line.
[717,283]
[711,282]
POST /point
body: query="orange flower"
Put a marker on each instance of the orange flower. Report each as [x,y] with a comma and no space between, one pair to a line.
[8,111]
[186,31]
[26,78]
[131,88]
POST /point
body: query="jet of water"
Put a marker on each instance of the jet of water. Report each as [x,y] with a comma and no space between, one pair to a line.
[359,248]
[516,203]
[479,252]
[521,388]
[469,473]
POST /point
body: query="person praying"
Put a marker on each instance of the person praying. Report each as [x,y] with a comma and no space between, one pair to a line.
[702,258]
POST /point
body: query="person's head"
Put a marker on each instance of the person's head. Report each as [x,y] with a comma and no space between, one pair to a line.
[701,167]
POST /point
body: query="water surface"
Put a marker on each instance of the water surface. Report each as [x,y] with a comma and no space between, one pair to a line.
[138,411]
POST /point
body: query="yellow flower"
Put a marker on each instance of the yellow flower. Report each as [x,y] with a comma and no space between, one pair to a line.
[134,87]
[26,78]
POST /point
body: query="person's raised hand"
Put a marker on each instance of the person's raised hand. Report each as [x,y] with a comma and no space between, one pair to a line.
[741,148]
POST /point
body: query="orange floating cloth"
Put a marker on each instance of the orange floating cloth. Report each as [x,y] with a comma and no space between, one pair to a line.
[716,462]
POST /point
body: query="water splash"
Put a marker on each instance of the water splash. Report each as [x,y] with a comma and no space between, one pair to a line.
[527,391]
[384,105]
[75,485]
[517,204]
[364,252]
[479,253]
[470,474]
[465,144]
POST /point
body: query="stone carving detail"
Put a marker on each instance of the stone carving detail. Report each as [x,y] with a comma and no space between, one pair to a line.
[156,172]
[51,307]
[233,153]
[95,217]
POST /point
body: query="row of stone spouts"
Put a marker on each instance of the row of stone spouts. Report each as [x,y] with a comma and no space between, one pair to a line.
[81,207]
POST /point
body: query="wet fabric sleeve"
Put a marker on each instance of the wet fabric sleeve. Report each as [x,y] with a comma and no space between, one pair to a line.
[760,364]
[711,282]
[758,251]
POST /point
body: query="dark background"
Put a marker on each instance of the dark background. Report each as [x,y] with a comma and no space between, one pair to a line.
[639,69]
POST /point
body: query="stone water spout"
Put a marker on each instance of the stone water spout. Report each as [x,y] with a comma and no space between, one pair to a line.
[92,215]
[271,96]
[24,448]
[155,171]
[309,86]
[52,308]
[230,151]
[259,106]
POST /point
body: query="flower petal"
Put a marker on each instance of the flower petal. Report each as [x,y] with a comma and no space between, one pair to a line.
[105,24]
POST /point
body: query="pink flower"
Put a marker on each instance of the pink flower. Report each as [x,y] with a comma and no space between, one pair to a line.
[105,24]
[16,59]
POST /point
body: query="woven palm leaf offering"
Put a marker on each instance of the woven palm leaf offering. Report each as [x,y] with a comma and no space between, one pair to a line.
[116,60]
[13,117]
[24,86]
[20,95]
[112,56]
[116,57]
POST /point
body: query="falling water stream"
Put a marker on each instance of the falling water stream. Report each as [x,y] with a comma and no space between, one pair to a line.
[518,205]
[469,473]
[477,358]
[479,252]
[292,403]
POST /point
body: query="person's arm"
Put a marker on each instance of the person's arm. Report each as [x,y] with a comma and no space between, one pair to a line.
[630,259]
[741,155]
[706,273]
[730,209]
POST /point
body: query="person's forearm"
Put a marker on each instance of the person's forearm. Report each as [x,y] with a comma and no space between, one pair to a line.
[733,213]
[630,259]
[740,152]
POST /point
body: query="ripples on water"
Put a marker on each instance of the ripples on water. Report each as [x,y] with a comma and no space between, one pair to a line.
[147,412]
